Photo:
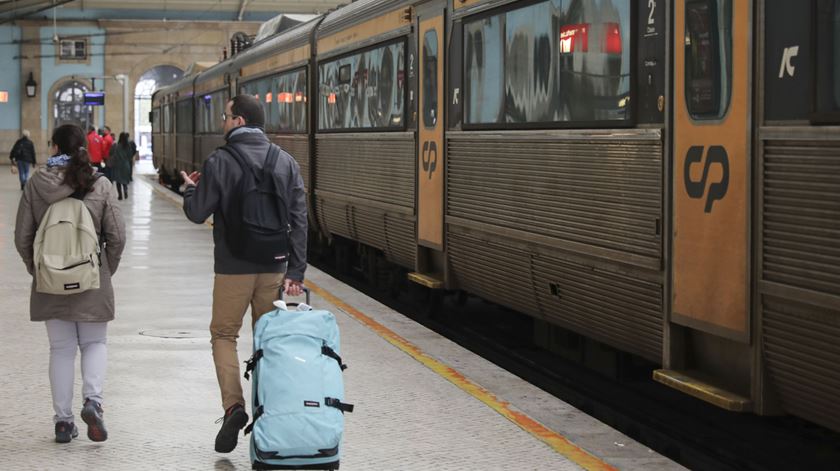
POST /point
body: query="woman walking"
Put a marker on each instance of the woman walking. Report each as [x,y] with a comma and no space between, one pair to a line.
[120,162]
[74,321]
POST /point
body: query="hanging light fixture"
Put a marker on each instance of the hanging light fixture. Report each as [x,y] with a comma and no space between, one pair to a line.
[31,86]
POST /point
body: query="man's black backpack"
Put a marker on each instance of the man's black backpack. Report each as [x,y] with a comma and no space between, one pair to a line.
[257,225]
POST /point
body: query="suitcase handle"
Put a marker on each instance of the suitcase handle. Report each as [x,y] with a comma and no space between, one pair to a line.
[305,291]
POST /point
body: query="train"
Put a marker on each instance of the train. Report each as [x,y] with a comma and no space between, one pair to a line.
[660,176]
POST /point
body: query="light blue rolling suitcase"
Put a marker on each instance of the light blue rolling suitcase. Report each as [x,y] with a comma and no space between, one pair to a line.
[298,390]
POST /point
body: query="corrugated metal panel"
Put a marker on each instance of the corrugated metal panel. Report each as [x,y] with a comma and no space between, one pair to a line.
[492,271]
[605,193]
[801,354]
[365,190]
[619,310]
[297,147]
[376,167]
[801,226]
[522,197]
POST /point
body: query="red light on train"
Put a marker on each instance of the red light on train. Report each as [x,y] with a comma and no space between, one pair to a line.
[612,41]
[268,97]
[298,97]
[285,97]
[331,99]
[574,38]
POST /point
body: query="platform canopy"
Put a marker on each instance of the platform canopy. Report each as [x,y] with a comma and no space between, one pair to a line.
[221,10]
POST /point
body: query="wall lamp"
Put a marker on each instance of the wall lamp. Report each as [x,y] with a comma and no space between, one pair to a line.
[31,86]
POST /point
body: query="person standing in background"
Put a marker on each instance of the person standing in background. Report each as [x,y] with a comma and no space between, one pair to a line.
[22,156]
[94,148]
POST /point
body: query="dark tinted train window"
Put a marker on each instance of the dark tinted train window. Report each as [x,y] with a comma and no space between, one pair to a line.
[365,90]
[183,117]
[708,57]
[430,79]
[209,108]
[827,96]
[284,100]
[561,62]
[156,120]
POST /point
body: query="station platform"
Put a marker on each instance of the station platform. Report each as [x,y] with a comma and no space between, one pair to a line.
[422,402]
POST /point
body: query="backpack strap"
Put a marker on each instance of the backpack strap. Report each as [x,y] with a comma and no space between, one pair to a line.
[342,406]
[325,350]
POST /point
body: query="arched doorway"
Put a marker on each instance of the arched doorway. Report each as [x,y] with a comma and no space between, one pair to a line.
[151,80]
[69,105]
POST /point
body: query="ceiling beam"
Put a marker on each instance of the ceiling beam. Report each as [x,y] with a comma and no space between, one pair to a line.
[38,5]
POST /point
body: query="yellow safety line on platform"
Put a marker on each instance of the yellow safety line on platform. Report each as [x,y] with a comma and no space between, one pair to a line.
[553,439]
[557,442]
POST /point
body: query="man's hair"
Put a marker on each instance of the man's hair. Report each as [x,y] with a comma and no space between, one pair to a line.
[91,128]
[26,133]
[249,108]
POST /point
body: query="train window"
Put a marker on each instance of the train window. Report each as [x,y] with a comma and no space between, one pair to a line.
[559,63]
[827,88]
[284,100]
[363,90]
[183,117]
[209,108]
[708,57]
[156,120]
[484,68]
[167,119]
[430,79]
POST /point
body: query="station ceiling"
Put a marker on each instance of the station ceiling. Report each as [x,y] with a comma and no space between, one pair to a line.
[219,10]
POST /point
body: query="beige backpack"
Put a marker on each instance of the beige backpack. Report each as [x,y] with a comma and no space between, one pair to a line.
[66,249]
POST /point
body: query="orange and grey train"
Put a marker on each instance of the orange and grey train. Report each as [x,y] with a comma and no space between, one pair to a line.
[662,177]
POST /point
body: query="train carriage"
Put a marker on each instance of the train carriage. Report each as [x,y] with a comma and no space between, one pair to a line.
[364,142]
[662,177]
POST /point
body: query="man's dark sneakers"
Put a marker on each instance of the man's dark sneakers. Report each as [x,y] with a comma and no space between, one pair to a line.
[92,415]
[235,418]
[65,431]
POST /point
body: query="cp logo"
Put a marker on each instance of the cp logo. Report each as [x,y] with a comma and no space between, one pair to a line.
[695,189]
[430,157]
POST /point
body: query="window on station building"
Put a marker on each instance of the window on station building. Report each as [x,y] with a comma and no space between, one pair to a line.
[72,49]
[555,61]
[363,90]
[430,79]
[284,100]
[708,58]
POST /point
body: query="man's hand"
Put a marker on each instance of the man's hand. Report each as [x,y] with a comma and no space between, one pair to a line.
[14,169]
[191,179]
[292,287]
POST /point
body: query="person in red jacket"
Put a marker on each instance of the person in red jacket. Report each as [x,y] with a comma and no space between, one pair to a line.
[94,142]
[107,142]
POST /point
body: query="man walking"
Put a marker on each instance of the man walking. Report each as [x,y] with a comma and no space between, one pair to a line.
[22,155]
[240,282]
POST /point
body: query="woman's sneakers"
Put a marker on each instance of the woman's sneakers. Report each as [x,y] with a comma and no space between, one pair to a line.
[65,431]
[92,415]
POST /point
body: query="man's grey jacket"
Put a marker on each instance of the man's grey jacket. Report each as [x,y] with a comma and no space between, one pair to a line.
[219,182]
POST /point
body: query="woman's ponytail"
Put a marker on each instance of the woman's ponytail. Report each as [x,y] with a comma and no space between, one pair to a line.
[70,140]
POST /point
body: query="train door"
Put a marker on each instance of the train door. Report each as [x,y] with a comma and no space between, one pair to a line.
[711,201]
[430,149]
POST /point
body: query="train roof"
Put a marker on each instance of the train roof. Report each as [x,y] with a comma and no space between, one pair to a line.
[357,12]
[292,38]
